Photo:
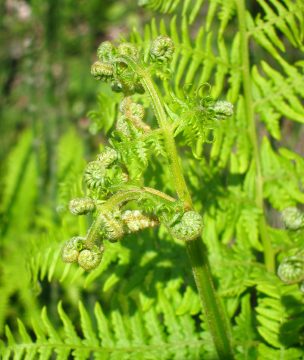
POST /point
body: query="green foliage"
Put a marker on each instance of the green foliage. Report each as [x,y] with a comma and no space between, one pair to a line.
[242,171]
[117,335]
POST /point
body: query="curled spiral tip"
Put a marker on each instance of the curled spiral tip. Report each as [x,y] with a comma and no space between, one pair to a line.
[71,249]
[94,175]
[189,227]
[291,269]
[112,226]
[107,157]
[106,51]
[162,49]
[81,206]
[102,71]
[223,109]
[293,218]
[89,259]
[135,220]
[128,49]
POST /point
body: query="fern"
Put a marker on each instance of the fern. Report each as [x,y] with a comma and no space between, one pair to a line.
[112,336]
[241,172]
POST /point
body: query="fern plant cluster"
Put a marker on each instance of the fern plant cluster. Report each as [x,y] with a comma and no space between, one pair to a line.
[113,172]
[196,108]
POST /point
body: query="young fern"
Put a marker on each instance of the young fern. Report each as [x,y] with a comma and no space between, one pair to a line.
[239,183]
[130,72]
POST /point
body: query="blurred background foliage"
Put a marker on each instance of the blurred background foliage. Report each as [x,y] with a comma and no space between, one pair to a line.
[47,48]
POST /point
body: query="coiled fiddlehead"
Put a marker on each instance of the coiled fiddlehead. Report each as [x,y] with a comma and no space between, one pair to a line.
[135,221]
[82,206]
[112,227]
[293,218]
[89,259]
[119,65]
[107,157]
[72,248]
[102,71]
[75,251]
[94,175]
[187,227]
[106,51]
[108,68]
[162,49]
[291,269]
[101,174]
[128,49]
[129,108]
[223,109]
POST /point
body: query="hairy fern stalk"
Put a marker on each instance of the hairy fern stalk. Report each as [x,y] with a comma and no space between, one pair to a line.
[196,108]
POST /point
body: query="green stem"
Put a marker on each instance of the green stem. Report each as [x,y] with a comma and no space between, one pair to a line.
[165,126]
[249,106]
[214,315]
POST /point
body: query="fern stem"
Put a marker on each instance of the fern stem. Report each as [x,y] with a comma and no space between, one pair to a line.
[215,317]
[165,126]
[249,110]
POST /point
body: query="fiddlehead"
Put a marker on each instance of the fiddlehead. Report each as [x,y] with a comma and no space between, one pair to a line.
[112,227]
[162,49]
[187,226]
[82,206]
[128,49]
[107,157]
[72,248]
[76,251]
[135,220]
[106,51]
[102,173]
[291,269]
[223,109]
[128,74]
[89,259]
[102,71]
[94,175]
[293,218]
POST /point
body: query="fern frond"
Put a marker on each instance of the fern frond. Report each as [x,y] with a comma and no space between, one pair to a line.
[286,17]
[190,8]
[103,118]
[268,353]
[140,335]
[17,167]
[279,311]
